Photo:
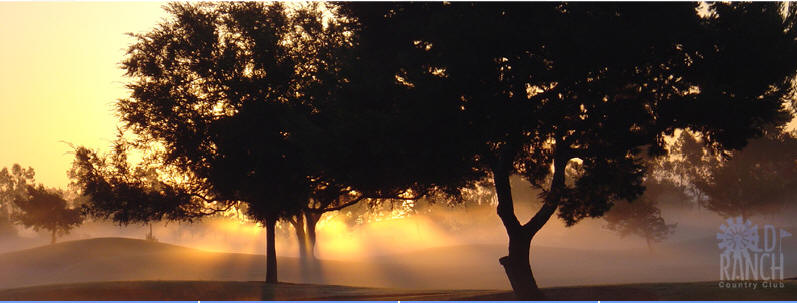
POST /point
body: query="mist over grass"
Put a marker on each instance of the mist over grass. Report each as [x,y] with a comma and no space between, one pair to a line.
[436,247]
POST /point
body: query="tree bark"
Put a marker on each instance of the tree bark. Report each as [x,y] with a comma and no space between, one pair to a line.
[52,240]
[271,251]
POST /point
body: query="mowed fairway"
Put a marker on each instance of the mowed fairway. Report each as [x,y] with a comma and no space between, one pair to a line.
[131,269]
[213,290]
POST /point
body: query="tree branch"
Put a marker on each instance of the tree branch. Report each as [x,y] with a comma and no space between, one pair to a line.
[320,210]
[553,197]
[506,207]
[338,207]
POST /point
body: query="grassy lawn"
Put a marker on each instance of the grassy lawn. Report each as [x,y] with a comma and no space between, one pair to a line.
[214,290]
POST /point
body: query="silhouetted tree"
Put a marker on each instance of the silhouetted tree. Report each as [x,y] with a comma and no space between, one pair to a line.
[642,217]
[226,98]
[43,209]
[760,179]
[545,87]
[324,198]
[330,198]
[688,166]
[123,193]
[367,140]
[13,183]
[149,236]
[668,183]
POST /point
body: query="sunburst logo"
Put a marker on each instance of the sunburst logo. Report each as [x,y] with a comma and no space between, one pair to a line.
[749,253]
[738,237]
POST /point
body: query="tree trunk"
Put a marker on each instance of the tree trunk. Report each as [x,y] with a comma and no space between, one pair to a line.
[301,236]
[650,245]
[518,267]
[312,221]
[271,251]
[52,240]
[516,264]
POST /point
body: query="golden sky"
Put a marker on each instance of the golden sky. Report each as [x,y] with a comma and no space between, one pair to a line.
[60,76]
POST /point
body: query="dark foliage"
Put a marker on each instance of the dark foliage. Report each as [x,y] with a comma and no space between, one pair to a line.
[125,194]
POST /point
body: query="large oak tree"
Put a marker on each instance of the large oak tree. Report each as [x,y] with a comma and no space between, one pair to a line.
[548,88]
[239,105]
[222,102]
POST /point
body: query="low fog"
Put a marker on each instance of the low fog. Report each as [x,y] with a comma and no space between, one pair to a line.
[438,246]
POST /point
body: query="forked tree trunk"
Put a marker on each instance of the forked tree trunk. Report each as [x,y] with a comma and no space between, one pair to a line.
[271,251]
[301,237]
[312,221]
[517,264]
